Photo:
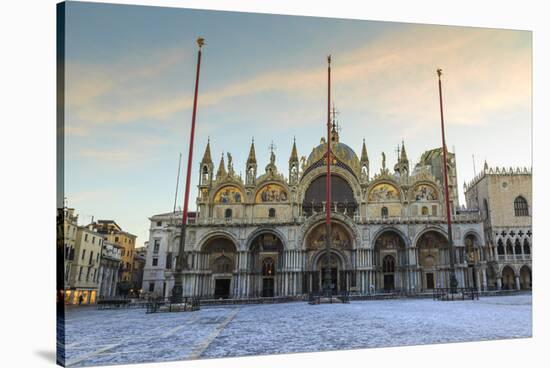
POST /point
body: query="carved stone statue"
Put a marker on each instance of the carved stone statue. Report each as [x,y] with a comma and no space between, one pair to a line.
[383,161]
[303,163]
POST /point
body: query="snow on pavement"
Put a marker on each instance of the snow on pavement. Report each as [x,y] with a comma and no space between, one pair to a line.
[100,337]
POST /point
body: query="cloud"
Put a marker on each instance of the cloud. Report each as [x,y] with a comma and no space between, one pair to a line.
[485,71]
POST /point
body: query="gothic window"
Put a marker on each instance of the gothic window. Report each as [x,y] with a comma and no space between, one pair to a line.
[384,212]
[228,213]
[500,248]
[425,211]
[509,249]
[272,212]
[520,207]
[526,247]
[268,268]
[518,247]
[388,264]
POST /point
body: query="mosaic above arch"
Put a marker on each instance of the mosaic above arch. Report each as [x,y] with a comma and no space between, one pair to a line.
[383,192]
[229,194]
[340,237]
[424,192]
[271,193]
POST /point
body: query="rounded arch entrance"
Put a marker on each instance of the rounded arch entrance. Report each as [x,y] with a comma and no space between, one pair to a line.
[525,278]
[220,260]
[508,278]
[265,262]
[390,260]
[319,268]
[433,253]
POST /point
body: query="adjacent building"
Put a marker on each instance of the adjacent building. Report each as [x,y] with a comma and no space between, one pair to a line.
[113,233]
[83,265]
[504,197]
[110,269]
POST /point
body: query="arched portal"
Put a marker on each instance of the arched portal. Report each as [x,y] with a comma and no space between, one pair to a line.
[265,263]
[390,260]
[341,275]
[508,278]
[433,252]
[525,278]
[342,197]
[220,253]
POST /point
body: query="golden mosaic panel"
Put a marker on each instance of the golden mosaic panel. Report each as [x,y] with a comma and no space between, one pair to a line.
[424,192]
[383,192]
[229,194]
[272,193]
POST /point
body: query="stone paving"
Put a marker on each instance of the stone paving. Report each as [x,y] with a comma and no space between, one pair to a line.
[102,337]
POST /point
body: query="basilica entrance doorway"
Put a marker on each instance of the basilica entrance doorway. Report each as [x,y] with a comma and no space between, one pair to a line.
[333,278]
[430,283]
[221,289]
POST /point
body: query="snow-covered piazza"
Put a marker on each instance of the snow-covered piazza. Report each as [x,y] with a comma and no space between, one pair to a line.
[102,337]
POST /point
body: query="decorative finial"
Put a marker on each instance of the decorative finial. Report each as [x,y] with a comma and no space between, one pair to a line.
[200,42]
[329,58]
[439,72]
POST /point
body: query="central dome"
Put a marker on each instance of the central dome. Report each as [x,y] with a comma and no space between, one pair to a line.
[342,151]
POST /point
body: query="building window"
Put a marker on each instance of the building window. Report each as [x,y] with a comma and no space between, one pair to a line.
[159,223]
[155,261]
[83,254]
[272,212]
[116,239]
[151,287]
[228,213]
[91,257]
[384,212]
[80,274]
[93,239]
[434,210]
[520,207]
[500,248]
[526,247]
[85,237]
[425,211]
[169,261]
[156,246]
[388,264]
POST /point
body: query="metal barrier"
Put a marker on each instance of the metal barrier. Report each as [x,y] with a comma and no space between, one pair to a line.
[189,304]
[449,294]
[316,298]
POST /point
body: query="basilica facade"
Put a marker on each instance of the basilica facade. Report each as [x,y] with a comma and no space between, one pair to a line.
[264,235]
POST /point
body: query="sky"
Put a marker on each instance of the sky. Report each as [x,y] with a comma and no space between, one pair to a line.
[129,82]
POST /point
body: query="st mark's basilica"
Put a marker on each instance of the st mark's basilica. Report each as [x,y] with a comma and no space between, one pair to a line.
[264,235]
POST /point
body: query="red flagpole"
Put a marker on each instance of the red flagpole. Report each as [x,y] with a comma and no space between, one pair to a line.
[453,280]
[181,263]
[328,272]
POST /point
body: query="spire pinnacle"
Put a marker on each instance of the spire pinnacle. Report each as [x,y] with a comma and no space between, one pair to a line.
[221,169]
[294,153]
[252,154]
[403,152]
[207,157]
[364,155]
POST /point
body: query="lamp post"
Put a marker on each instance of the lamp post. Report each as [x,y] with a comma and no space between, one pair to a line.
[454,281]
[181,263]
